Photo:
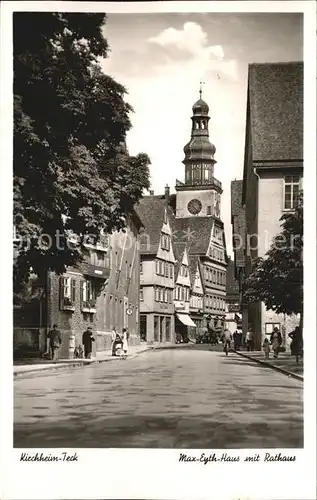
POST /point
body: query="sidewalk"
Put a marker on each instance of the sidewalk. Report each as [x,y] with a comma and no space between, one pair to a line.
[285,363]
[104,356]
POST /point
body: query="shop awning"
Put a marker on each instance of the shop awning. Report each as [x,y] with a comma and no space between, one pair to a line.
[185,319]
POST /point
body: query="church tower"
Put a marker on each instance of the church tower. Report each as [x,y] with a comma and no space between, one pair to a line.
[200,194]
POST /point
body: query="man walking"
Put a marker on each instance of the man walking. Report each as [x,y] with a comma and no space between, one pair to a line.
[88,339]
[55,339]
[226,339]
[236,340]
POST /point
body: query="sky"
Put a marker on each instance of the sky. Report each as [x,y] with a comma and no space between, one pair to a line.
[161,59]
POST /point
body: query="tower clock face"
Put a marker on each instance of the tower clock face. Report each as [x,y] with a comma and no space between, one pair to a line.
[194,206]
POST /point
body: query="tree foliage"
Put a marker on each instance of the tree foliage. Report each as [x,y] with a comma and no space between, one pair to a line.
[277,280]
[70,124]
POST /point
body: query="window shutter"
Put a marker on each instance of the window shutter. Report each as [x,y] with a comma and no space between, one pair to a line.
[61,292]
[81,292]
[73,290]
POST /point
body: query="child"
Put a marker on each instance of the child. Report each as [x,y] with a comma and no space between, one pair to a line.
[266,348]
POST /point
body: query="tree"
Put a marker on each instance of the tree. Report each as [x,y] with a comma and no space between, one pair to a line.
[277,279]
[72,171]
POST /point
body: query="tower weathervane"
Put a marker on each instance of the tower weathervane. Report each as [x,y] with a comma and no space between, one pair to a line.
[201,88]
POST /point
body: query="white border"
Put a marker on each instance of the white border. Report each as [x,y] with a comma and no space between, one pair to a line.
[156,474]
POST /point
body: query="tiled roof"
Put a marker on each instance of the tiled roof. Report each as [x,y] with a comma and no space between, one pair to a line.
[150,209]
[232,285]
[275,93]
[238,222]
[195,231]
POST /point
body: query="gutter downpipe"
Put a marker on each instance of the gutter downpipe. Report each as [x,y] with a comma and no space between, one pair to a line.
[257,203]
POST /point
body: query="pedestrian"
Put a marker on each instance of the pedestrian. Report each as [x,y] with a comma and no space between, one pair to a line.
[239,334]
[266,348]
[55,338]
[249,339]
[226,339]
[235,340]
[297,343]
[88,339]
[125,337]
[113,341]
[276,341]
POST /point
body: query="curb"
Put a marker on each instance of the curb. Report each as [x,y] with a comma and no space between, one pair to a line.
[69,364]
[274,367]
[66,365]
[58,366]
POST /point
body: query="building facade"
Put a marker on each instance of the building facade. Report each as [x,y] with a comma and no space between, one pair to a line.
[101,292]
[273,169]
[183,322]
[233,306]
[156,271]
[196,301]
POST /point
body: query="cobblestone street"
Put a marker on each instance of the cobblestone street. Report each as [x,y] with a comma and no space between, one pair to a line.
[180,398]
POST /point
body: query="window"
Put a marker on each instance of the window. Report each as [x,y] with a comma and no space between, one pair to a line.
[291,191]
[156,294]
[100,259]
[141,294]
[165,217]
[141,267]
[165,296]
[208,210]
[67,292]
[166,269]
[270,326]
[171,271]
[88,294]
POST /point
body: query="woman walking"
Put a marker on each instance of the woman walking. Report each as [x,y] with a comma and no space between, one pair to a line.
[276,342]
[297,343]
[125,336]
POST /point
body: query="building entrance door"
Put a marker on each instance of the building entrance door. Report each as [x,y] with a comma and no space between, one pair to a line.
[168,329]
[162,325]
[143,327]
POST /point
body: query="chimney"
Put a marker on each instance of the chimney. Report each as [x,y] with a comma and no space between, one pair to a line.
[151,192]
[167,193]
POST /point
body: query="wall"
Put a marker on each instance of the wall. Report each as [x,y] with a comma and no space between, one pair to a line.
[205,196]
[271,188]
[270,209]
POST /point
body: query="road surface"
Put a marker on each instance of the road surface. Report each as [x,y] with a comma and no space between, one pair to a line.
[180,398]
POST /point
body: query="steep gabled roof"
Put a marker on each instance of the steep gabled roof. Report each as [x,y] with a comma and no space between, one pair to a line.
[275,94]
[195,231]
[151,211]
